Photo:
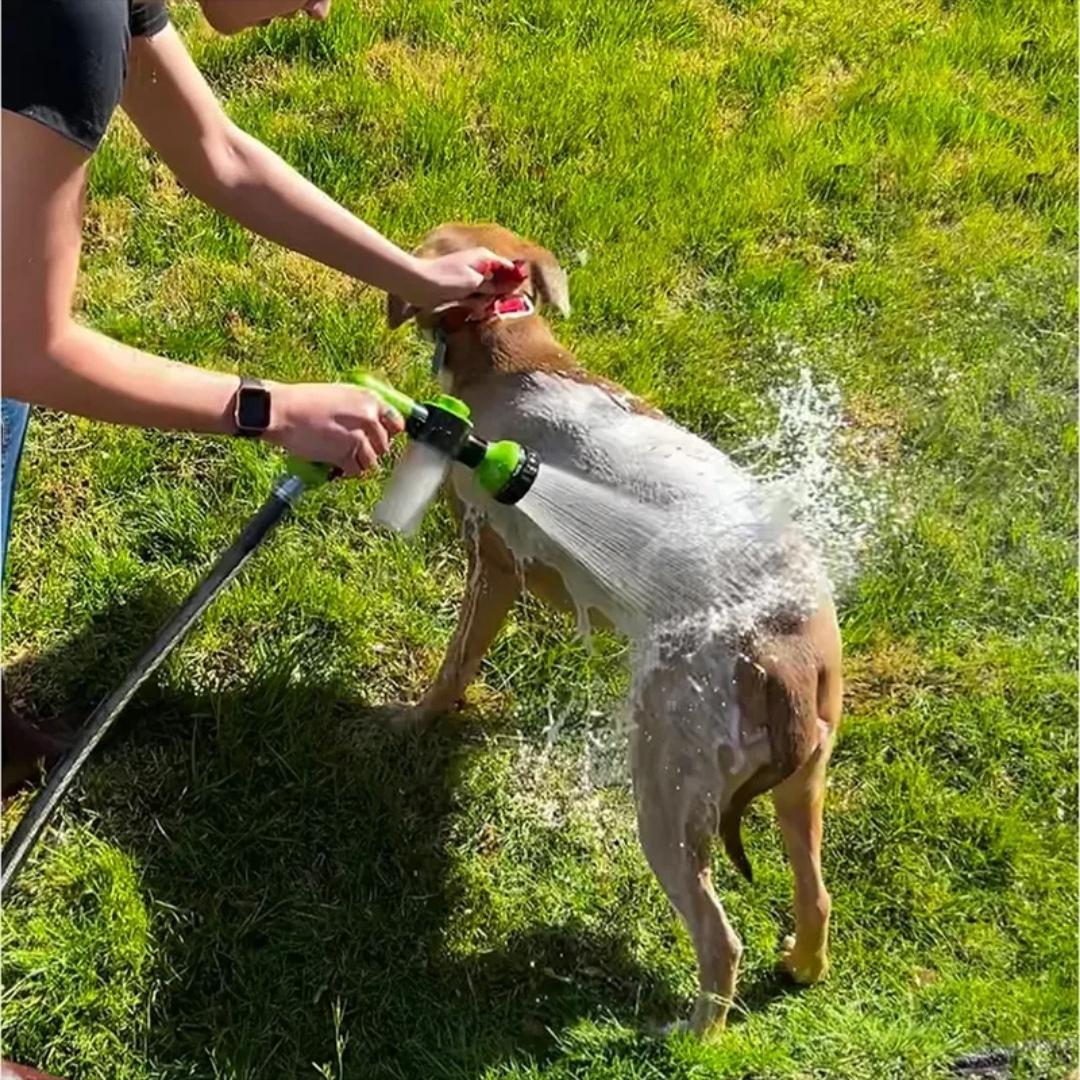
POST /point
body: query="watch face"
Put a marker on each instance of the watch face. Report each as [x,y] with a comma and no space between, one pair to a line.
[253,409]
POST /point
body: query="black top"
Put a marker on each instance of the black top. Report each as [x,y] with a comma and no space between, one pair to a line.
[65,61]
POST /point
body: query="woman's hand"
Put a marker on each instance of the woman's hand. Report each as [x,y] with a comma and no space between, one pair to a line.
[332,423]
[456,276]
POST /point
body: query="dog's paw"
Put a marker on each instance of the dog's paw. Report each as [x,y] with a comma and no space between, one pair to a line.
[803,968]
[708,1021]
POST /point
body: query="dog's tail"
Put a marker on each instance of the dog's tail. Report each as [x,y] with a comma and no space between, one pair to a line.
[788,703]
[730,828]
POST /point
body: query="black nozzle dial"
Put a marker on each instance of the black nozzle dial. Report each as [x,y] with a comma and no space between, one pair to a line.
[521,479]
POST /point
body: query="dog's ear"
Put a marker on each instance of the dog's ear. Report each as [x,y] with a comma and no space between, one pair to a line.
[398,311]
[550,281]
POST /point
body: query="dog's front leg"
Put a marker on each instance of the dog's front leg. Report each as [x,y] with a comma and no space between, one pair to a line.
[492,587]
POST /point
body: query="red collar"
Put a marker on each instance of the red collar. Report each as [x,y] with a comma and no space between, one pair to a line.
[518,306]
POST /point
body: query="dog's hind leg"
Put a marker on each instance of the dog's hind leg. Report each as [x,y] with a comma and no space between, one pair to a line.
[675,835]
[492,586]
[799,800]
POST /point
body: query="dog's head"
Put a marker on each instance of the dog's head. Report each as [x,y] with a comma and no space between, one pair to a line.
[545,281]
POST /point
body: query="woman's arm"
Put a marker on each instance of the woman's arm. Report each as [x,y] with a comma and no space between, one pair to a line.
[176,111]
[49,359]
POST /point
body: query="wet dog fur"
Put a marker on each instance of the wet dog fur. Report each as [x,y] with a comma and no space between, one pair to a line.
[787,675]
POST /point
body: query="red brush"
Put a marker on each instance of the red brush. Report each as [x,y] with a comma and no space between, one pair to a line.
[506,277]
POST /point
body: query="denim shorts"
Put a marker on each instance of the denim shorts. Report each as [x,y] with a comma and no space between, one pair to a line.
[14,417]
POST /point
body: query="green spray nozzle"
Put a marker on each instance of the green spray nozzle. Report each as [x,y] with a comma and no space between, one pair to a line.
[505,470]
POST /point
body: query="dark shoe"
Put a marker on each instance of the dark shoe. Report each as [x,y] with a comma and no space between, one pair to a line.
[25,751]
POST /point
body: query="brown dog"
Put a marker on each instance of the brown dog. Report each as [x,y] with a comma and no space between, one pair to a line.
[716,721]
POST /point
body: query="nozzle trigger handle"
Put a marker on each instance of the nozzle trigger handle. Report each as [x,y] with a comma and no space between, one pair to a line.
[314,473]
[386,393]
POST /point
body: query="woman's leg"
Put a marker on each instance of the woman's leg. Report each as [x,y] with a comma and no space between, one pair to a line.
[14,418]
[23,746]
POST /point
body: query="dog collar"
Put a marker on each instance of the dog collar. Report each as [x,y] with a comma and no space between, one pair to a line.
[518,306]
[501,309]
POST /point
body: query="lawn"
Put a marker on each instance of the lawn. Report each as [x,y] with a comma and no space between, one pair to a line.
[257,878]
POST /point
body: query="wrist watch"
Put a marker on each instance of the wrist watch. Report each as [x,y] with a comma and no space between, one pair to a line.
[251,408]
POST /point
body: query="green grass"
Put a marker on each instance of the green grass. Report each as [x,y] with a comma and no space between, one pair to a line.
[256,878]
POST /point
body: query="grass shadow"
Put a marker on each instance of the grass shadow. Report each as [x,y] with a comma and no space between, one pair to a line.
[60,686]
[760,989]
[300,856]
